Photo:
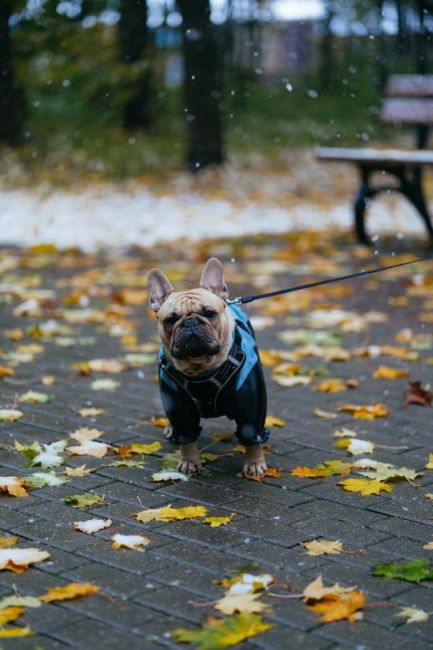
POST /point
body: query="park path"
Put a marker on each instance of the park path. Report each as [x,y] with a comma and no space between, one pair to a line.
[238,200]
[64,308]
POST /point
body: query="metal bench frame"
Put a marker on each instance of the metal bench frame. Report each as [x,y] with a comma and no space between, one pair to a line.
[416,92]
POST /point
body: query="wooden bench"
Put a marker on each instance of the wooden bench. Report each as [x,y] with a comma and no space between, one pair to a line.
[409,103]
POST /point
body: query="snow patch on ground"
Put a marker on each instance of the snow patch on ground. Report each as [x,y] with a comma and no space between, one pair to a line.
[110,217]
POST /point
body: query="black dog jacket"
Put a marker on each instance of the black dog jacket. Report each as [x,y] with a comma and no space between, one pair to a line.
[235,389]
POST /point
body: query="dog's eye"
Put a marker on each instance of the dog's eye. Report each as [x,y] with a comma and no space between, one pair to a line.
[209,313]
[170,320]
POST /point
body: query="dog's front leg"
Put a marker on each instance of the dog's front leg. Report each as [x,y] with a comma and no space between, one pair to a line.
[190,459]
[255,463]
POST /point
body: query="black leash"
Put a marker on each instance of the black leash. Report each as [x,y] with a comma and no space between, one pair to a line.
[241,300]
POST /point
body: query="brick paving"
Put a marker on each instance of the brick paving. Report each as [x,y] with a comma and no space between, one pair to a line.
[145,595]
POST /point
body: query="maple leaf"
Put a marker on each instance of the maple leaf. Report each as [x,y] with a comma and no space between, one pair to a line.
[413,615]
[89,448]
[10,415]
[10,614]
[356,446]
[133,542]
[385,372]
[223,633]
[270,472]
[91,525]
[365,412]
[331,386]
[47,456]
[384,471]
[69,592]
[345,433]
[39,479]
[16,632]
[77,471]
[160,422]
[323,547]
[84,434]
[365,486]
[126,451]
[327,468]
[216,522]
[337,607]
[169,475]
[167,513]
[272,421]
[326,415]
[5,371]
[104,384]
[416,394]
[289,382]
[19,601]
[33,396]
[316,590]
[8,540]
[247,602]
[84,500]
[412,571]
[91,412]
[18,559]
[13,485]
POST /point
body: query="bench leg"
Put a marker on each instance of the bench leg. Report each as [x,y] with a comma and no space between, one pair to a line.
[413,191]
[360,205]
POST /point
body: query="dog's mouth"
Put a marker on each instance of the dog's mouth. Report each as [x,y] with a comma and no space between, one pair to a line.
[194,339]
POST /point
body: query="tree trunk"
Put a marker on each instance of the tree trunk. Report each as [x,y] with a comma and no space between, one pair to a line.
[202,86]
[134,45]
[11,95]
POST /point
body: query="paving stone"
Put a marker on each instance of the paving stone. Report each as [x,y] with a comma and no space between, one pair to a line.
[89,633]
[110,579]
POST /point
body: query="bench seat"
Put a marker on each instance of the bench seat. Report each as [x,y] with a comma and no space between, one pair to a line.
[375,157]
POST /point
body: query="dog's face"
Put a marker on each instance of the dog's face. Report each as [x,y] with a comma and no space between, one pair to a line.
[195,326]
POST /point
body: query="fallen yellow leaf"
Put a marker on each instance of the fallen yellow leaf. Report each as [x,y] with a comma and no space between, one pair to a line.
[323,547]
[160,422]
[216,522]
[68,592]
[167,513]
[366,412]
[8,541]
[365,486]
[385,372]
[10,614]
[248,603]
[331,386]
[16,632]
[272,421]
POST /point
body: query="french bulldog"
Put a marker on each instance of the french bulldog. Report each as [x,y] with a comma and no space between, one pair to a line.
[208,366]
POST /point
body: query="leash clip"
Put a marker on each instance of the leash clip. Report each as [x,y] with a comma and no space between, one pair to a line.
[235,301]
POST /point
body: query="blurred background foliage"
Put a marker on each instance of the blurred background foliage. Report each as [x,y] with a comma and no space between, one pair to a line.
[116,89]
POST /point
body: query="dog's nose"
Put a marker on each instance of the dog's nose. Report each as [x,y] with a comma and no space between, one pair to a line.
[190,323]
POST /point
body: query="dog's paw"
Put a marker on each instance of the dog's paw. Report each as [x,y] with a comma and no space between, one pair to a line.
[189,466]
[254,468]
[254,463]
[168,430]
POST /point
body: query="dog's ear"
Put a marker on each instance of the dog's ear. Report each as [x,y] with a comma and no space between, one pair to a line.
[159,288]
[212,278]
